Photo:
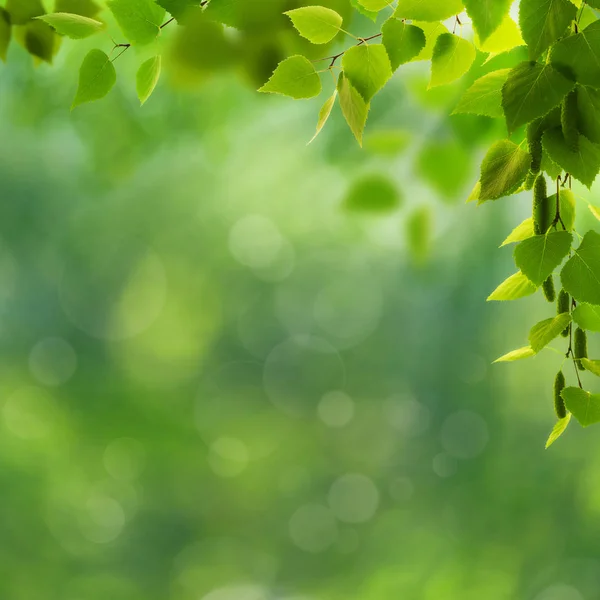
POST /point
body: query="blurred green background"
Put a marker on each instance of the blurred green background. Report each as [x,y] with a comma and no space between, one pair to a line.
[237,367]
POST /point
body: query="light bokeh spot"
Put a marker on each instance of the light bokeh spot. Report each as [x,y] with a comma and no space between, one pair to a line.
[336,409]
[313,528]
[52,361]
[353,498]
[228,457]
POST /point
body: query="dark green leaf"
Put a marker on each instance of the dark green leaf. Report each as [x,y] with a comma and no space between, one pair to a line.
[531,91]
[402,41]
[543,22]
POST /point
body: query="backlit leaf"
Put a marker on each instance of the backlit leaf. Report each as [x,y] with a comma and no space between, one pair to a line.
[503,170]
[317,24]
[515,287]
[368,68]
[539,255]
[584,406]
[452,58]
[295,77]
[97,76]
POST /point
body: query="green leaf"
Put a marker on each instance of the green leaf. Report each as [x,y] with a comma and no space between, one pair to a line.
[543,22]
[22,11]
[587,316]
[584,406]
[40,40]
[578,56]
[324,114]
[432,31]
[140,20]
[515,287]
[97,77]
[593,366]
[354,108]
[588,105]
[558,429]
[520,232]
[85,8]
[505,38]
[531,91]
[5,33]
[428,10]
[402,41]
[295,77]
[374,5]
[583,164]
[179,8]
[545,331]
[487,15]
[539,255]
[147,78]
[581,274]
[503,170]
[567,210]
[73,26]
[317,24]
[518,354]
[372,193]
[368,68]
[484,97]
[370,14]
[452,58]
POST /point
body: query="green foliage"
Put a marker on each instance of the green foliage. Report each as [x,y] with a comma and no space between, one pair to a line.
[317,24]
[520,232]
[97,77]
[367,68]
[545,331]
[503,170]
[72,25]
[140,20]
[531,91]
[147,77]
[452,58]
[587,316]
[539,255]
[484,97]
[354,107]
[583,164]
[515,287]
[540,77]
[402,41]
[578,56]
[584,406]
[543,22]
[487,15]
[295,77]
[428,10]
[581,274]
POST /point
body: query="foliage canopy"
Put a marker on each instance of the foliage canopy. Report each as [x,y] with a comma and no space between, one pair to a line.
[540,75]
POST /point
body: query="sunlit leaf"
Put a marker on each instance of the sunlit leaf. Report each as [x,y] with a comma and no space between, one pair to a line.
[559,428]
[72,25]
[317,24]
[538,256]
[367,68]
[147,78]
[514,287]
[97,77]
[295,77]
[584,406]
[518,354]
[520,232]
[545,331]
